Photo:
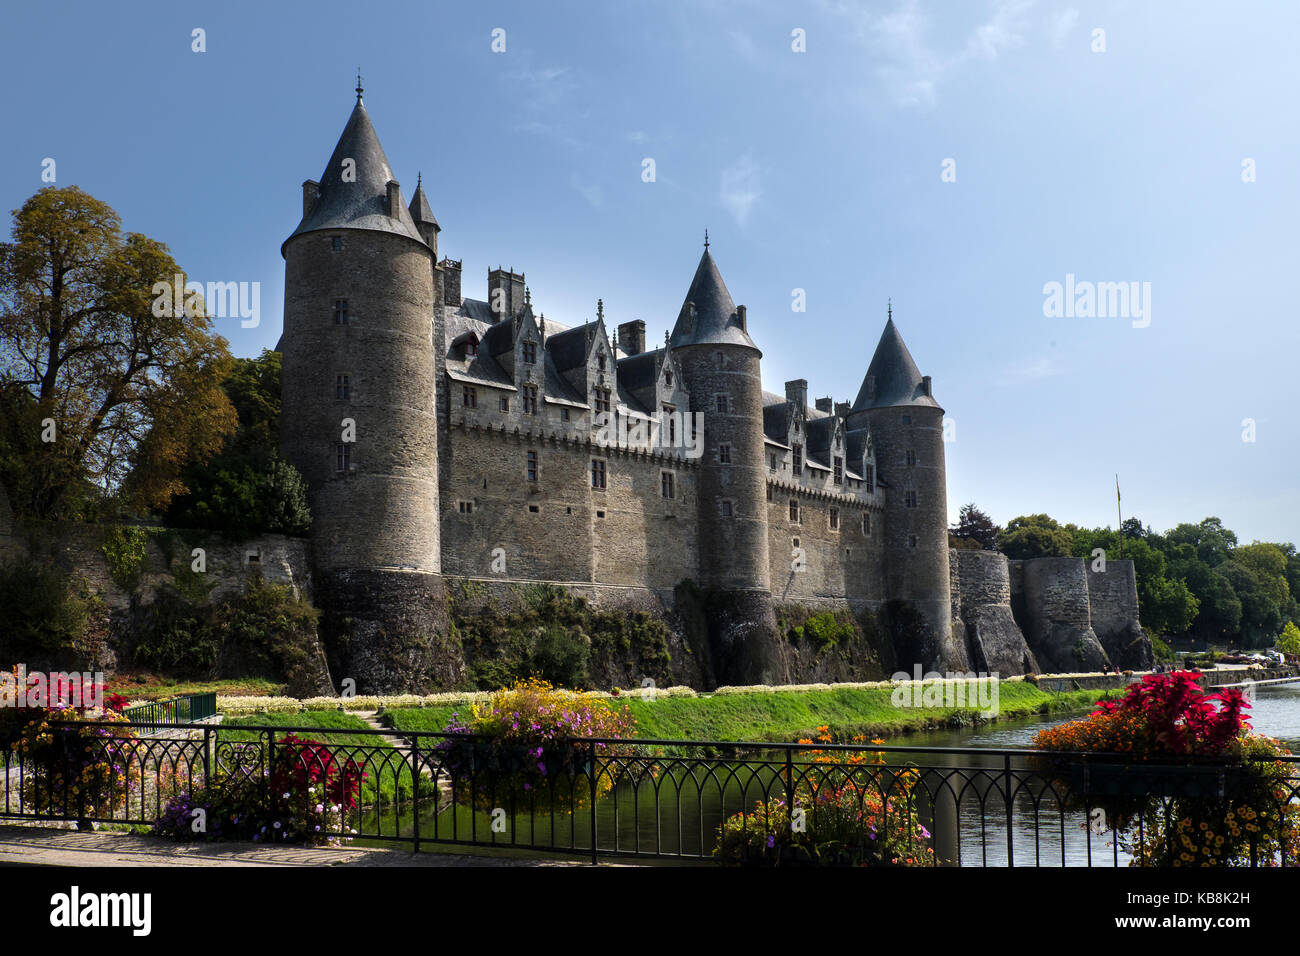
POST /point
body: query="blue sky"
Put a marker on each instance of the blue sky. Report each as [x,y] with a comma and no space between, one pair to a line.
[818,171]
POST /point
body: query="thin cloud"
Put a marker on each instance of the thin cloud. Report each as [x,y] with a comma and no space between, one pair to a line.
[591,192]
[910,67]
[1034,370]
[741,188]
[1060,24]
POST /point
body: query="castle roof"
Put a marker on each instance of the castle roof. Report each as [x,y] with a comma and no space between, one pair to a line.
[715,321]
[892,377]
[569,348]
[641,370]
[363,203]
[820,433]
[420,209]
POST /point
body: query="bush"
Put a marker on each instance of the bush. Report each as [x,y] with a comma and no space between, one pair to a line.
[305,799]
[522,746]
[123,548]
[74,769]
[44,620]
[266,631]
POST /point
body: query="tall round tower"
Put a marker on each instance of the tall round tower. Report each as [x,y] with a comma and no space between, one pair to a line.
[358,417]
[897,404]
[720,367]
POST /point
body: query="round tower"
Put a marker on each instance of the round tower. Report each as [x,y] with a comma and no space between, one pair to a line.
[897,404]
[720,368]
[358,417]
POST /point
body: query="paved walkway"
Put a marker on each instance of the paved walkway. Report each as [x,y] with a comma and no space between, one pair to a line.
[40,846]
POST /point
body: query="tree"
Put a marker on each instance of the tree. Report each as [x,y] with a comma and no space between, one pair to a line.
[974,525]
[1212,541]
[1289,641]
[1035,536]
[1132,528]
[96,385]
[248,488]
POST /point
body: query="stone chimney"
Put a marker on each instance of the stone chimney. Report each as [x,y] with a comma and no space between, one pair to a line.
[797,392]
[394,199]
[826,405]
[631,336]
[842,409]
[510,299]
[310,196]
[451,282]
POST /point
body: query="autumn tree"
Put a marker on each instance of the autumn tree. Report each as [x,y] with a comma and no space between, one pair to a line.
[101,391]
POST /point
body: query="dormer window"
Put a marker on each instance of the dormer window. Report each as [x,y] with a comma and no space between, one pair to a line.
[797,456]
[668,379]
[530,353]
[471,347]
[601,399]
[600,362]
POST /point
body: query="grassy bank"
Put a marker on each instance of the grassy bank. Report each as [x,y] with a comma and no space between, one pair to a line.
[784,716]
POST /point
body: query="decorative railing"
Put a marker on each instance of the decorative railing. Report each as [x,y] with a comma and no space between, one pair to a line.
[182,709]
[664,798]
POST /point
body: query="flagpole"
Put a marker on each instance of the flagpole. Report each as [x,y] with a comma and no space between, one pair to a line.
[1119,518]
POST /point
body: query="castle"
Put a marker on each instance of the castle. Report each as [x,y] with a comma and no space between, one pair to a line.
[445,437]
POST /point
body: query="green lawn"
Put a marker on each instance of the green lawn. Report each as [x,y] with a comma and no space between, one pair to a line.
[785,716]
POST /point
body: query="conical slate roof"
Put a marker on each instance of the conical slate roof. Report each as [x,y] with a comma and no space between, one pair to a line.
[715,321]
[420,210]
[362,204]
[896,378]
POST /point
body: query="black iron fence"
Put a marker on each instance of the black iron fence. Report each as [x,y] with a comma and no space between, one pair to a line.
[756,803]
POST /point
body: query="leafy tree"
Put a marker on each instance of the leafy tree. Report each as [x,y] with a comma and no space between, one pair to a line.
[974,525]
[1261,618]
[1289,641]
[248,488]
[1132,528]
[128,392]
[1035,536]
[1212,541]
[1269,565]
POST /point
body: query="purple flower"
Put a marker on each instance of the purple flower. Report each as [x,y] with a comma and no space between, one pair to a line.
[771,842]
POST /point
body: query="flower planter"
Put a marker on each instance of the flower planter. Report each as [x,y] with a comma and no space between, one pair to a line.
[1156,780]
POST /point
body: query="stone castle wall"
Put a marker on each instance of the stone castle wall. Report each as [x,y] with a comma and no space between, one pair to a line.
[625,534]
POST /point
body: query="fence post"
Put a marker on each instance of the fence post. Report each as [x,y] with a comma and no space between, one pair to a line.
[789,781]
[207,756]
[1006,777]
[415,787]
[270,781]
[594,859]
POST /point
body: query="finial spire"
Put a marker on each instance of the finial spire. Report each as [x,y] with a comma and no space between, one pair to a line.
[706,240]
[890,316]
[600,310]
[528,297]
[359,89]
[419,178]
